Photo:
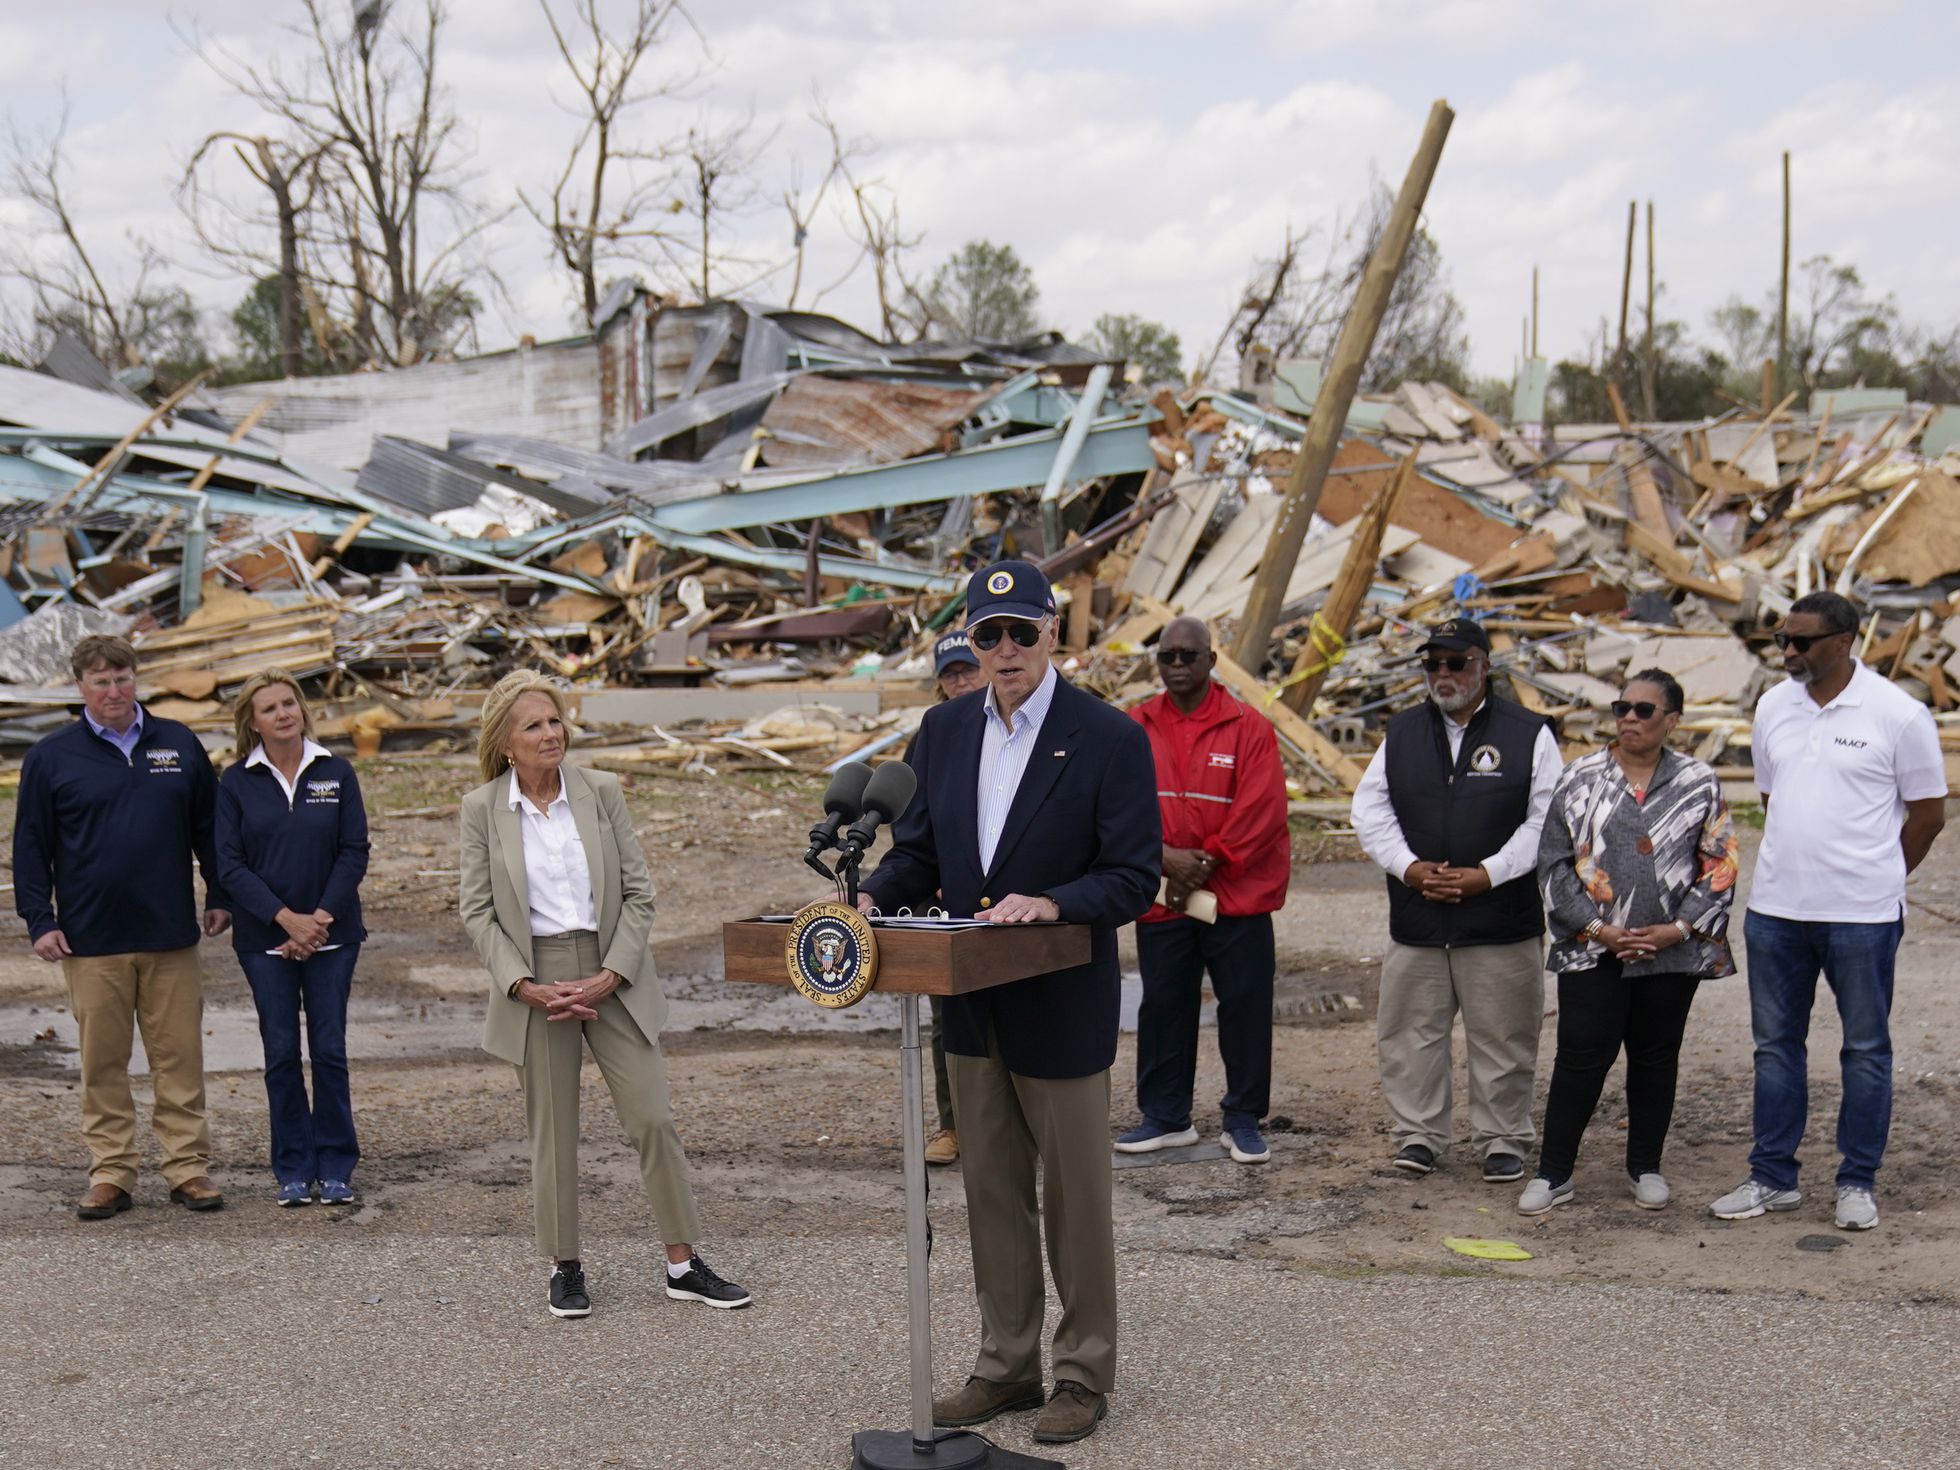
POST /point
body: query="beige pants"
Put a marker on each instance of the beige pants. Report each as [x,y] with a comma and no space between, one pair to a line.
[1500,989]
[163,992]
[1008,1124]
[636,1075]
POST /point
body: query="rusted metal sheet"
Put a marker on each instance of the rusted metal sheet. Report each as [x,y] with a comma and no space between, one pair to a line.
[820,420]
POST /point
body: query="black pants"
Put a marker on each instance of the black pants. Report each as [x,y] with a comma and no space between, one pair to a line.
[1174,957]
[1599,1010]
[942,1091]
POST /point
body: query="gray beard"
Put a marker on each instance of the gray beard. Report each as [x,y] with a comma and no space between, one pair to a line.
[1802,676]
[1456,704]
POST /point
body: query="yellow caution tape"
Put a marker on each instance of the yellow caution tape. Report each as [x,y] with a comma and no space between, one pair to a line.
[1331,647]
[1487,1250]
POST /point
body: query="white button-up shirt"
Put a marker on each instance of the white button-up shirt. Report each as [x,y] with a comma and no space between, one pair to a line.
[1380,830]
[1004,754]
[1838,777]
[554,865]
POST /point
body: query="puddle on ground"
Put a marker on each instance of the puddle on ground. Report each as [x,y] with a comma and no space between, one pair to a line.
[398,1029]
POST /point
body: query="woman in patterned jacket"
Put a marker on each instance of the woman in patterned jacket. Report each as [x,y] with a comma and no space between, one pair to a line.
[1638,869]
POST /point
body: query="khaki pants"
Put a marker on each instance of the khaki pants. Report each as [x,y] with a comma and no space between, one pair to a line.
[636,1075]
[1500,989]
[1008,1124]
[163,992]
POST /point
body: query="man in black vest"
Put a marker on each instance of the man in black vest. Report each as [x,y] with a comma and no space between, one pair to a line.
[1451,807]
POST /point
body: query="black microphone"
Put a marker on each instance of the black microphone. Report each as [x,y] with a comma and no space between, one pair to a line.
[843,801]
[887,795]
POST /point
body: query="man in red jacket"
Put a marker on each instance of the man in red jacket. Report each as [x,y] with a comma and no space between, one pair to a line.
[1222,795]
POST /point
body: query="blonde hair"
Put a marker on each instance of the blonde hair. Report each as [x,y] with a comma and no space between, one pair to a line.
[493,738]
[245,734]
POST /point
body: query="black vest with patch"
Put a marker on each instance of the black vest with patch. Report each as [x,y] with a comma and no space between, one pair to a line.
[1462,813]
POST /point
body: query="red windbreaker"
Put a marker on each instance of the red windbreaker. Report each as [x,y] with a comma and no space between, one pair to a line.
[1220,787]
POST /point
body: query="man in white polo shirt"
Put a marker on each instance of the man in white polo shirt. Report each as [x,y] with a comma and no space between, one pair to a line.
[1854,786]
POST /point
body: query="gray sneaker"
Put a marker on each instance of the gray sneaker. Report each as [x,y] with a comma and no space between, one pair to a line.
[1856,1209]
[1751,1198]
[1650,1192]
[1541,1195]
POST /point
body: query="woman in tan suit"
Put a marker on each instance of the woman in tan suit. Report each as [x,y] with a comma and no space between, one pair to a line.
[556,898]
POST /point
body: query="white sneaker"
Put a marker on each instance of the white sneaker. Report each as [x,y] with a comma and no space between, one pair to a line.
[1751,1198]
[1542,1195]
[1650,1192]
[1856,1209]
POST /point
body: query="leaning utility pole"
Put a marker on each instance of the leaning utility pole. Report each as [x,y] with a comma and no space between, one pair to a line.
[1337,390]
[1783,290]
[1626,296]
[1649,370]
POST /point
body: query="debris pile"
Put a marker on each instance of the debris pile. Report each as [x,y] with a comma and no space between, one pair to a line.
[736,531]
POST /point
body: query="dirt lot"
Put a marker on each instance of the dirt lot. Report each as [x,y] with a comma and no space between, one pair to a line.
[789,1115]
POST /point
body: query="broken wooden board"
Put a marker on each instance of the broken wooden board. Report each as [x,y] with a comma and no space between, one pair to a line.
[1290,727]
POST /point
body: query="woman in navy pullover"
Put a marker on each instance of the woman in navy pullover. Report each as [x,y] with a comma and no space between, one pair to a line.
[292,845]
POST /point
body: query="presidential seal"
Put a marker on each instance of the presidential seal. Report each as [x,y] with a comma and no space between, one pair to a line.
[832,954]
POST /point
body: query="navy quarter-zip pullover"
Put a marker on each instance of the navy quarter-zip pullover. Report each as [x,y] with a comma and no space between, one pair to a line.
[103,842]
[306,852]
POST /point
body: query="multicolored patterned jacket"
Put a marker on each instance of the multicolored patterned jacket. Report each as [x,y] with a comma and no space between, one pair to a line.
[1671,855]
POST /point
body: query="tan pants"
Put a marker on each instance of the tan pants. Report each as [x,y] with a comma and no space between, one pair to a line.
[636,1075]
[1008,1124]
[1500,989]
[163,992]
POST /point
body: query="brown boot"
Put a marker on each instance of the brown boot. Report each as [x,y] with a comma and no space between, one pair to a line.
[101,1201]
[1072,1414]
[943,1147]
[981,1400]
[198,1194]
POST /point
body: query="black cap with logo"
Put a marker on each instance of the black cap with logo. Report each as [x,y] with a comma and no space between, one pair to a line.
[1458,635]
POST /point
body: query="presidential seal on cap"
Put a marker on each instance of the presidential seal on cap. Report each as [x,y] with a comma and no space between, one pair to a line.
[1009,589]
[832,955]
[952,651]
[1457,635]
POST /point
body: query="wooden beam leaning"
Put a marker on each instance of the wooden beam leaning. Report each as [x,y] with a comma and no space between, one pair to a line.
[107,466]
[1331,625]
[1290,728]
[1330,409]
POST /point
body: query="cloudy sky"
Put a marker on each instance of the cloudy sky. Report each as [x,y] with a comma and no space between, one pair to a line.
[1140,154]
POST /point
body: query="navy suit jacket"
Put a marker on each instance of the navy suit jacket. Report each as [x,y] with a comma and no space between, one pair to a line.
[1083,830]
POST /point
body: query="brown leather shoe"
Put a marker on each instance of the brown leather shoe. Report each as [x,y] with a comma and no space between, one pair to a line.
[981,1400]
[198,1194]
[1072,1414]
[943,1147]
[101,1201]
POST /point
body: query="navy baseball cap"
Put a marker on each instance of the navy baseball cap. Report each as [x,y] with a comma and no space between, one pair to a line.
[951,650]
[1008,589]
[1457,635]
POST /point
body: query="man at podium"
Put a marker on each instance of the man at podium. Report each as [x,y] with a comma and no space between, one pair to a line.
[1035,803]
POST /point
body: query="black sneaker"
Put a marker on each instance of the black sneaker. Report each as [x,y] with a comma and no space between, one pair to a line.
[1503,1168]
[1415,1158]
[568,1298]
[700,1284]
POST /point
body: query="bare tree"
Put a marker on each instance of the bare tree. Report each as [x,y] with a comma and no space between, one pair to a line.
[66,285]
[290,175]
[718,187]
[396,220]
[803,211]
[587,225]
[873,222]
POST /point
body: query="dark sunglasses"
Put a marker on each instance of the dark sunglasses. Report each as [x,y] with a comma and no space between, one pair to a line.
[1456,663]
[1180,655]
[988,635]
[1640,709]
[1801,641]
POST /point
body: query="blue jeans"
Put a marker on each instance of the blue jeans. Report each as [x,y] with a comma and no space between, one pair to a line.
[1785,956]
[1174,957]
[313,1141]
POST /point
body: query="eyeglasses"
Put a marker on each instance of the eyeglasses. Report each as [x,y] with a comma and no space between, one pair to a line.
[1802,641]
[1640,709]
[1180,655]
[988,635]
[1456,663]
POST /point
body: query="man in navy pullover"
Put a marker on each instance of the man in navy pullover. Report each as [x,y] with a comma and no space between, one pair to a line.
[111,811]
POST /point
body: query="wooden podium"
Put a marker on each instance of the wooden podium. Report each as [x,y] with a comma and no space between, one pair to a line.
[913,962]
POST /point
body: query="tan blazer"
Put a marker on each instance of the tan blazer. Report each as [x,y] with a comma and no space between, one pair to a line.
[495,902]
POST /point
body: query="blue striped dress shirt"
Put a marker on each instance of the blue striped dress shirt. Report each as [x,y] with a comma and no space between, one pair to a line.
[1004,754]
